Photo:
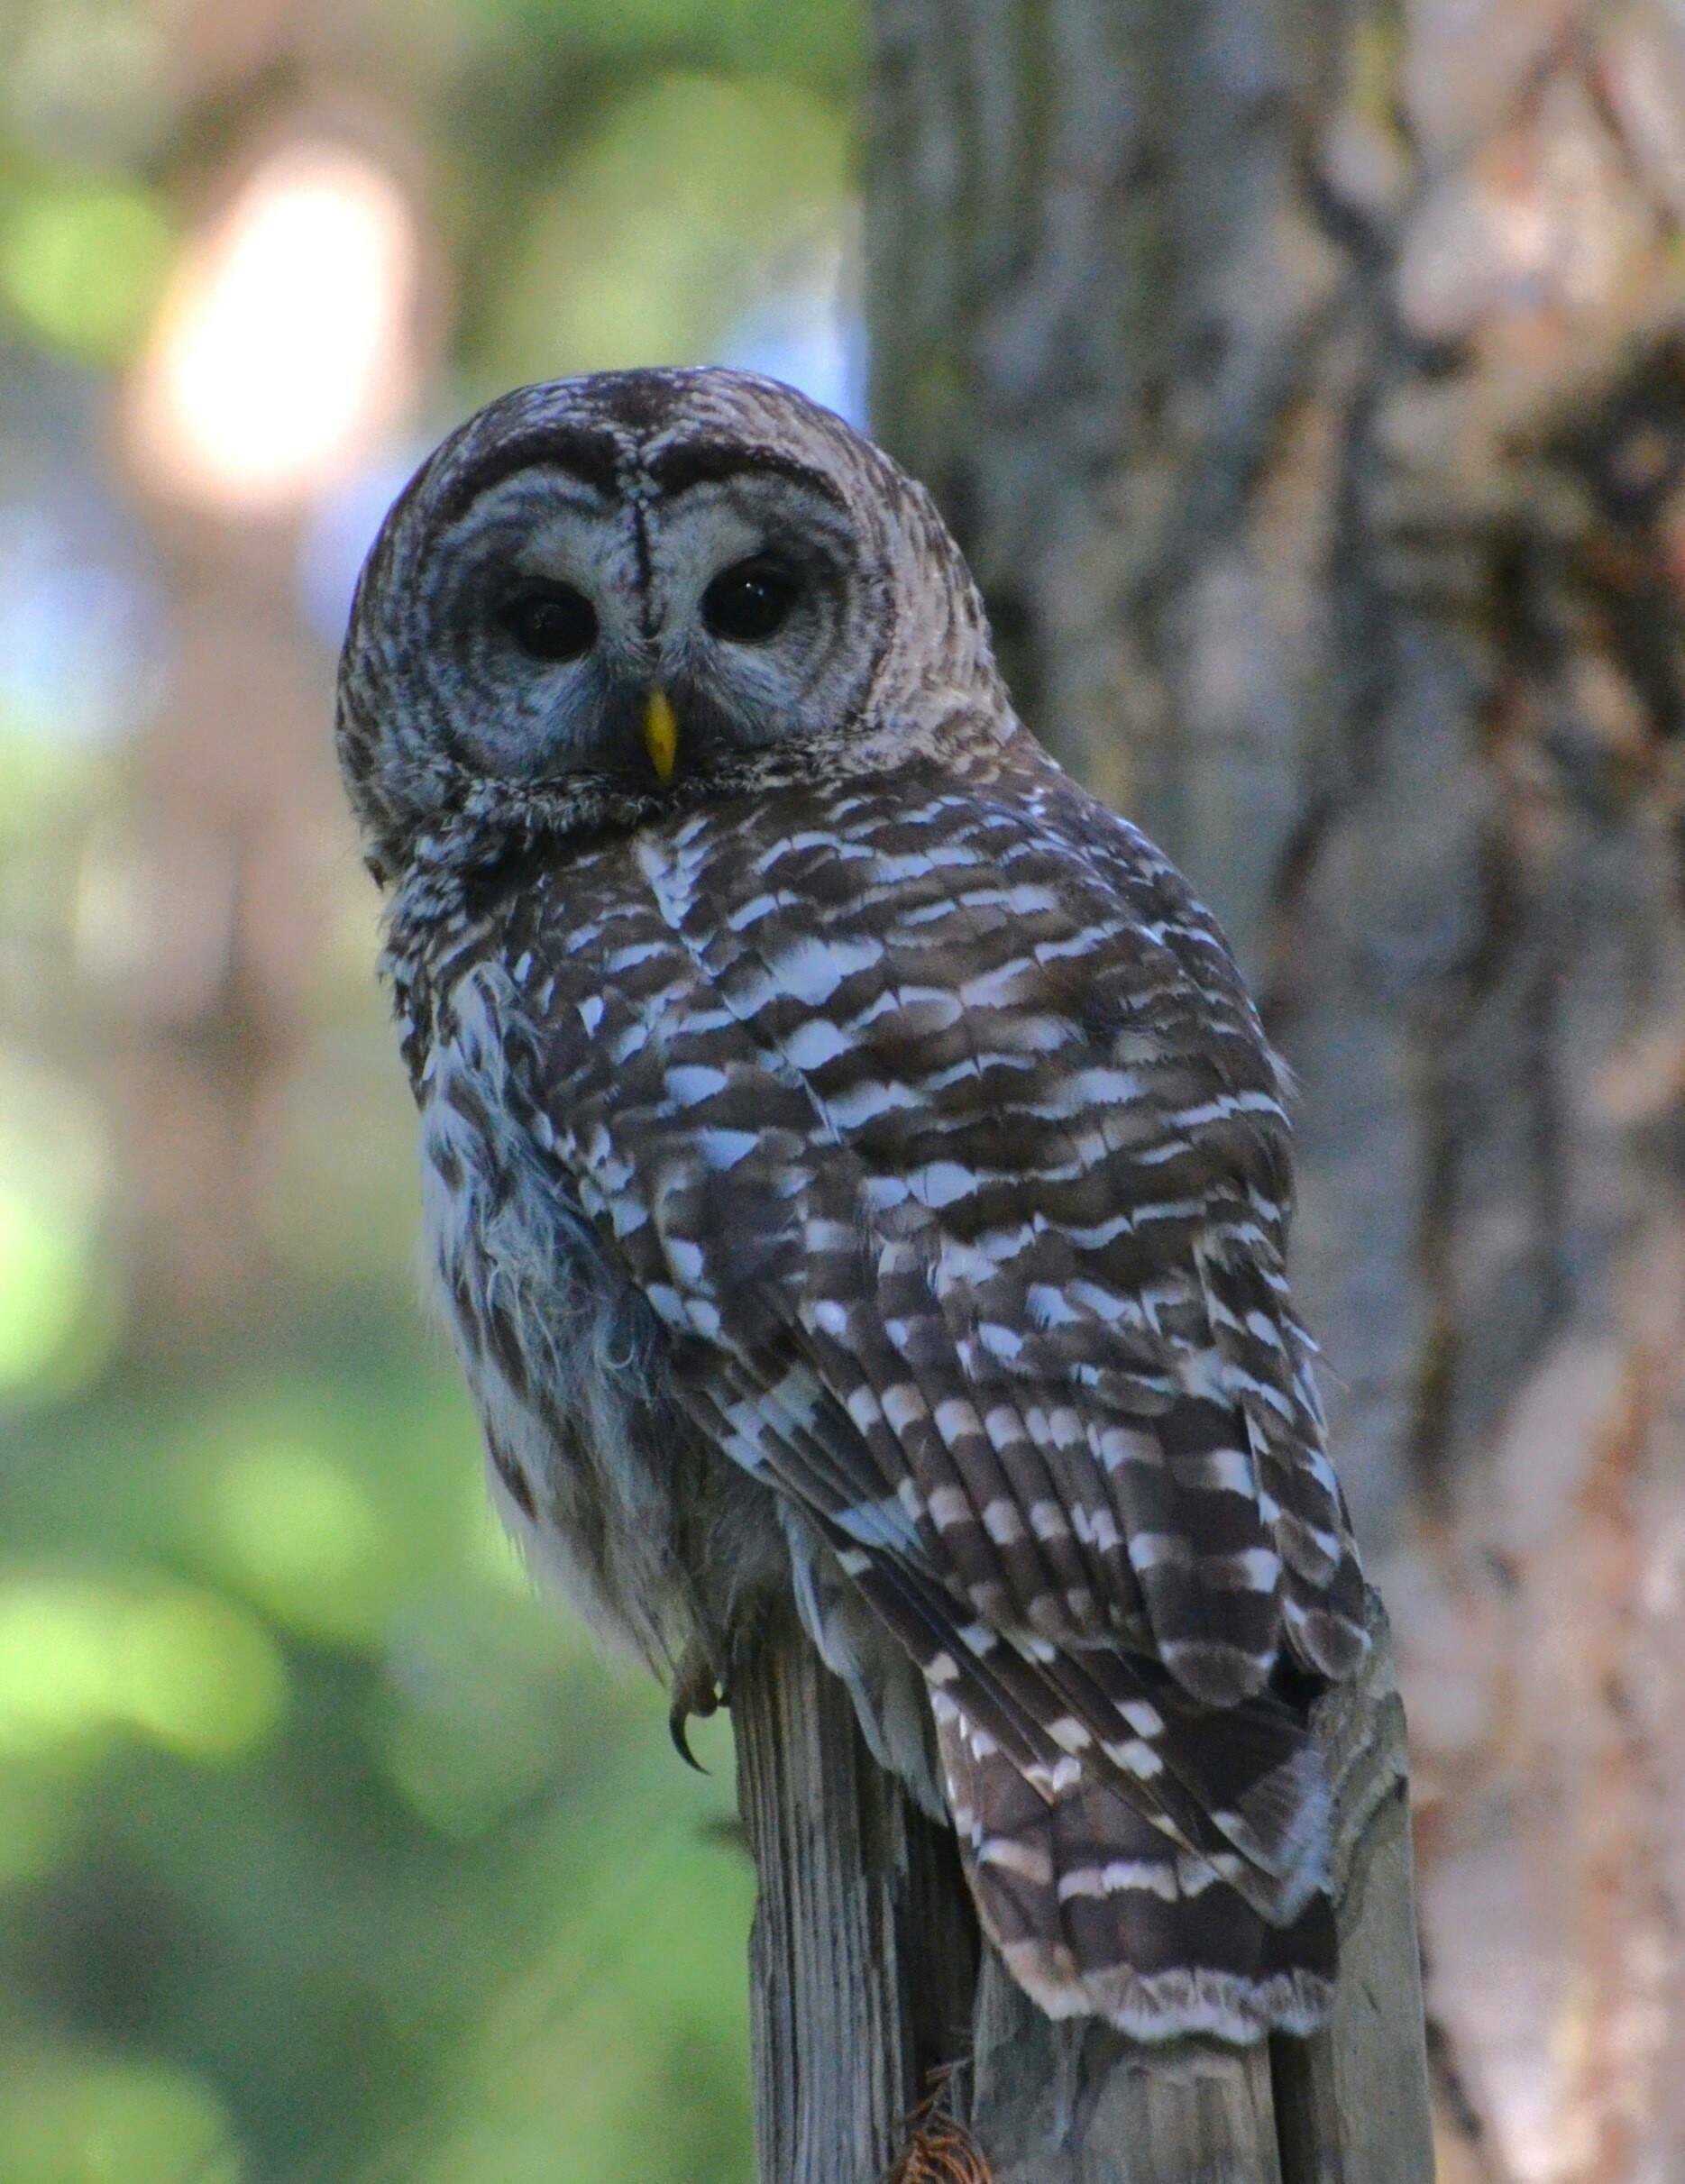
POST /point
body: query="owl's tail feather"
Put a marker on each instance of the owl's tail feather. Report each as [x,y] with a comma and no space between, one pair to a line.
[1135,1854]
[1097,1910]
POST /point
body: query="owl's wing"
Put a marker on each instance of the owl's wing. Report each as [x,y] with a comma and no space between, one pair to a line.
[945,1142]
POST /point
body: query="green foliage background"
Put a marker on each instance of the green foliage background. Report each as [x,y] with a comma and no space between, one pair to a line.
[327,1850]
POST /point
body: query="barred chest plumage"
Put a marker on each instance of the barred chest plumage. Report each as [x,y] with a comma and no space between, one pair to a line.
[589,1468]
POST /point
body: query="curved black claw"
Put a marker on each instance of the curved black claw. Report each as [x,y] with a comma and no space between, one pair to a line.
[676,1729]
[696,1694]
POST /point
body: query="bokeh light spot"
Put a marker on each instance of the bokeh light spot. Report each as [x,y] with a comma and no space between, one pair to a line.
[305,1535]
[45,1273]
[198,1674]
[283,351]
[57,1674]
[101,2121]
[184,1668]
[54,1170]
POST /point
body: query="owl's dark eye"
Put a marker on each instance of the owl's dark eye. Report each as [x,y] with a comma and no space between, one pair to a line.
[551,622]
[749,601]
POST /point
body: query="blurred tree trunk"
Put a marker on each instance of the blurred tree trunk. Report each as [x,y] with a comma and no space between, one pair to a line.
[1307,385]
[209,932]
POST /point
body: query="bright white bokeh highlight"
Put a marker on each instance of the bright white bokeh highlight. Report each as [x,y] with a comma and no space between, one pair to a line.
[284,350]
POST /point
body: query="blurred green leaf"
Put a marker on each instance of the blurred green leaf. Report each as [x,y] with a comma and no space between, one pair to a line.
[80,1659]
[111,2121]
[83,261]
[54,1165]
[816,42]
[647,246]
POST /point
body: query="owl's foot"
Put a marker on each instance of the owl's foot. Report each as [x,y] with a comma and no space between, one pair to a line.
[697,1691]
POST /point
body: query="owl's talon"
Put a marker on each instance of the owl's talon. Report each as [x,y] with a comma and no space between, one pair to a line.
[697,1692]
[676,1721]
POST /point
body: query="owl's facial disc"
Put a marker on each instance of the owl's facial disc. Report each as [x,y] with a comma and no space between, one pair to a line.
[576,548]
[648,631]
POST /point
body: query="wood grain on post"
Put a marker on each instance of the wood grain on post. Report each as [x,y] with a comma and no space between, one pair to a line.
[864,1955]
[868,1984]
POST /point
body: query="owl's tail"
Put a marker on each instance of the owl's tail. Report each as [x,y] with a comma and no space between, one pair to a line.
[1172,1884]
[1136,1854]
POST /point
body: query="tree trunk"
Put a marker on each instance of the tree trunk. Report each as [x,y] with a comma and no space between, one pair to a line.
[1305,383]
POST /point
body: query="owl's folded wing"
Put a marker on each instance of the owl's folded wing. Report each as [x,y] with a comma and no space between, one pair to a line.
[999,1165]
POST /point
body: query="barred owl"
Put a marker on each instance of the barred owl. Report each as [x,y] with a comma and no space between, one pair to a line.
[853,1170]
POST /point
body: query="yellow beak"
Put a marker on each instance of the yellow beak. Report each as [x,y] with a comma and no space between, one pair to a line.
[661,734]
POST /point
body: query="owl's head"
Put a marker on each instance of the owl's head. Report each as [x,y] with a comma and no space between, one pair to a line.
[607,594]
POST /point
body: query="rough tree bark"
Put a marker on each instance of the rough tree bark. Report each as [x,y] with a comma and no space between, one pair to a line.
[1305,381]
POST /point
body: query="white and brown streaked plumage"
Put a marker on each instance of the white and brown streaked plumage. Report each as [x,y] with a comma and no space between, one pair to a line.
[854,1168]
